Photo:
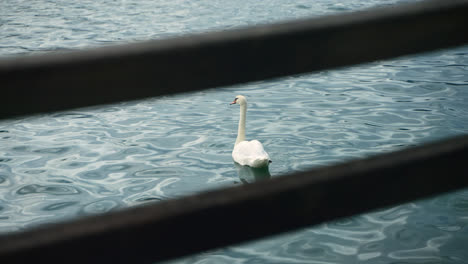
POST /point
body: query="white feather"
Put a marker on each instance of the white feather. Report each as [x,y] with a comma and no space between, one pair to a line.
[250,153]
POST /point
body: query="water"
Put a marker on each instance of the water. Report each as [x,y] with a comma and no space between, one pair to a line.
[87,161]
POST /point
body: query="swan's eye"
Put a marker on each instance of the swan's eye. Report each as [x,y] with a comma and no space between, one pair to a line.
[234,102]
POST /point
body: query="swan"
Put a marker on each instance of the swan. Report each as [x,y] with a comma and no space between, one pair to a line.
[247,153]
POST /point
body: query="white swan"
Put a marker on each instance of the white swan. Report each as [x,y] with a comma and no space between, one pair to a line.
[247,153]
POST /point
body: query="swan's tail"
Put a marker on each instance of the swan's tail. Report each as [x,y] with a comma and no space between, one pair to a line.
[258,163]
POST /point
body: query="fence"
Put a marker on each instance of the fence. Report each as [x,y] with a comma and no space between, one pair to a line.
[166,229]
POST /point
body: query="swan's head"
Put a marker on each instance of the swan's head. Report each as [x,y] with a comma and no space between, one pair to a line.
[240,100]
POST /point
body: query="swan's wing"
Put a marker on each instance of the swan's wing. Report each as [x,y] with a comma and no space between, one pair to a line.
[250,153]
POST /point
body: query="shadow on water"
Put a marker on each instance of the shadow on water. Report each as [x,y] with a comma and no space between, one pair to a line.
[249,175]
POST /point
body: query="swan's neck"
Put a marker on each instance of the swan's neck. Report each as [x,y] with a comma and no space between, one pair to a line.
[241,129]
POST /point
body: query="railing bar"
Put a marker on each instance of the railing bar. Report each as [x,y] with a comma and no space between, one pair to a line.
[105,75]
[178,227]
[213,219]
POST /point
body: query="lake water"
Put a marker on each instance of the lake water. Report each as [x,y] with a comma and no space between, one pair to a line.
[76,163]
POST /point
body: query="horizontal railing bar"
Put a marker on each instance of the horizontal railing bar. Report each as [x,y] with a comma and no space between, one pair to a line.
[35,84]
[178,227]
[213,219]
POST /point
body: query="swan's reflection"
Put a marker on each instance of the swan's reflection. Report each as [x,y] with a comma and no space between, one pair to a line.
[248,174]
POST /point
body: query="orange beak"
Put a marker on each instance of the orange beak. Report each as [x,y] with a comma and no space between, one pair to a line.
[234,102]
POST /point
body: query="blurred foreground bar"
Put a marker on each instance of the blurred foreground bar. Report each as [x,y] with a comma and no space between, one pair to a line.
[214,219]
[62,81]
[175,228]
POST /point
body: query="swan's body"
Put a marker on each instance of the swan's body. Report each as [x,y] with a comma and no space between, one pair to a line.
[250,153]
[247,153]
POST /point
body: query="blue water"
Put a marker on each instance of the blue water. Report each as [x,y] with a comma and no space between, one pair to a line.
[86,161]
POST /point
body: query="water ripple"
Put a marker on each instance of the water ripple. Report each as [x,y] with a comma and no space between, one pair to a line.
[100,206]
[94,160]
[58,206]
[48,189]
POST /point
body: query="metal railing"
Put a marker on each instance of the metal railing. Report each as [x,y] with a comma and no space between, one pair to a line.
[178,227]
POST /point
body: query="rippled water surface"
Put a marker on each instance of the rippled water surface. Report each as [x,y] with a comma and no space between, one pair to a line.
[87,161]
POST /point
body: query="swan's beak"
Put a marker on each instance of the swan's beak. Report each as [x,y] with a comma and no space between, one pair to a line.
[233,102]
